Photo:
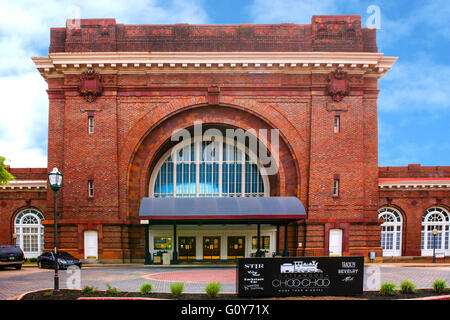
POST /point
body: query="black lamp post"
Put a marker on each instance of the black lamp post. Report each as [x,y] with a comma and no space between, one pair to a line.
[434,232]
[55,179]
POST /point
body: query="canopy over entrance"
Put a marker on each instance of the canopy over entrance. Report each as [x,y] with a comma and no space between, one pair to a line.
[224,209]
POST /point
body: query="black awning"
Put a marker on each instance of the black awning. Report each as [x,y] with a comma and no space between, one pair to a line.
[221,209]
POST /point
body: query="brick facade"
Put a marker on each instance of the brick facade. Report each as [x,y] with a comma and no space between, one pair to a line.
[413,201]
[141,103]
[14,200]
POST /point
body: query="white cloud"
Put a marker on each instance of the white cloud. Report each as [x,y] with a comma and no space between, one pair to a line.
[24,115]
[415,85]
[25,32]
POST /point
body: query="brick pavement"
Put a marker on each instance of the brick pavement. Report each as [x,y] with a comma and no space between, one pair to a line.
[130,278]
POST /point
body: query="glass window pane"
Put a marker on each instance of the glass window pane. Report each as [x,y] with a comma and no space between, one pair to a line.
[229,173]
[162,243]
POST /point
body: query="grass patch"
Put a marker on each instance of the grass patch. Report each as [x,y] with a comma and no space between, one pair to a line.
[407,287]
[177,288]
[88,290]
[439,286]
[212,289]
[48,293]
[388,289]
[146,288]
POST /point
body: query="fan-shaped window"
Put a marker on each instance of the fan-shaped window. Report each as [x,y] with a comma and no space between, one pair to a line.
[29,232]
[435,219]
[391,231]
[208,169]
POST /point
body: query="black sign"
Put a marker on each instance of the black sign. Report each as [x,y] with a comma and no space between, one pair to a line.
[301,276]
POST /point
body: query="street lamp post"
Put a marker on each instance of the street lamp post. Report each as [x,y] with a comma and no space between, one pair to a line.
[434,232]
[55,179]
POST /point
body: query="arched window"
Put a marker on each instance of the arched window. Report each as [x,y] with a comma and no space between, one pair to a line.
[30,232]
[208,169]
[435,219]
[391,231]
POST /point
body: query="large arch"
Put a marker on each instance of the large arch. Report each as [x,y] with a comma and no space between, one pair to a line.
[156,141]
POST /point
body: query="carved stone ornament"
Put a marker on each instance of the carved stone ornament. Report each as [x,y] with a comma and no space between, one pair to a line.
[90,85]
[338,85]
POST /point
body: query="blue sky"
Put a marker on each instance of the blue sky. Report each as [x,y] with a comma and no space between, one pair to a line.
[413,106]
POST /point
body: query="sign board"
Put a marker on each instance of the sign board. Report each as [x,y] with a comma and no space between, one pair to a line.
[300,276]
[440,254]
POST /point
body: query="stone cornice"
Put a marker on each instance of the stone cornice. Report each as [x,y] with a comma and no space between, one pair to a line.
[413,183]
[371,64]
[25,185]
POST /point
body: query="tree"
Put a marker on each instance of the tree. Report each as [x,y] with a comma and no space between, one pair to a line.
[5,176]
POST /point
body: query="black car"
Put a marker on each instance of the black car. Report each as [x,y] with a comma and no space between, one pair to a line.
[11,256]
[64,259]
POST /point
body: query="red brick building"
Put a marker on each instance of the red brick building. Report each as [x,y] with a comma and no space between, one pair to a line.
[117,94]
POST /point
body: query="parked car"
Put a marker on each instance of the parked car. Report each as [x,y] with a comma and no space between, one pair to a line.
[64,259]
[11,256]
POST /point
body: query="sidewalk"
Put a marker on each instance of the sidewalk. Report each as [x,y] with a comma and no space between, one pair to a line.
[216,265]
[105,265]
[409,264]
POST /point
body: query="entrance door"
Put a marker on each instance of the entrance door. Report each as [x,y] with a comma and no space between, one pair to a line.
[236,247]
[211,248]
[186,248]
[335,242]
[90,245]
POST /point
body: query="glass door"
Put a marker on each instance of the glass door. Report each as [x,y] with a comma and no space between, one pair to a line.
[236,247]
[186,248]
[211,248]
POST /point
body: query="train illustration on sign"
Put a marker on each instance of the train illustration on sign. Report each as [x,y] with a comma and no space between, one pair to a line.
[300,267]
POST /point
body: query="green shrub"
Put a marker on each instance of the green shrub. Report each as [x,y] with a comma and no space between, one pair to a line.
[439,286]
[146,288]
[88,289]
[407,287]
[112,291]
[48,293]
[177,288]
[213,289]
[387,289]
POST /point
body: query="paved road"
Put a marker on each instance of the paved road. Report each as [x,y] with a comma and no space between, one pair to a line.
[129,278]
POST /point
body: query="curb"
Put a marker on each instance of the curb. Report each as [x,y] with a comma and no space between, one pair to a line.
[20,296]
[99,265]
[117,298]
[159,266]
[446,297]
[88,265]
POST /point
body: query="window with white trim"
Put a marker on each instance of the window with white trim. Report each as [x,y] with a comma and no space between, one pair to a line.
[208,169]
[435,219]
[30,232]
[391,231]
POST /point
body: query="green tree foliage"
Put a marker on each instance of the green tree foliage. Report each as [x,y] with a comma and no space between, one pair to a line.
[5,176]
